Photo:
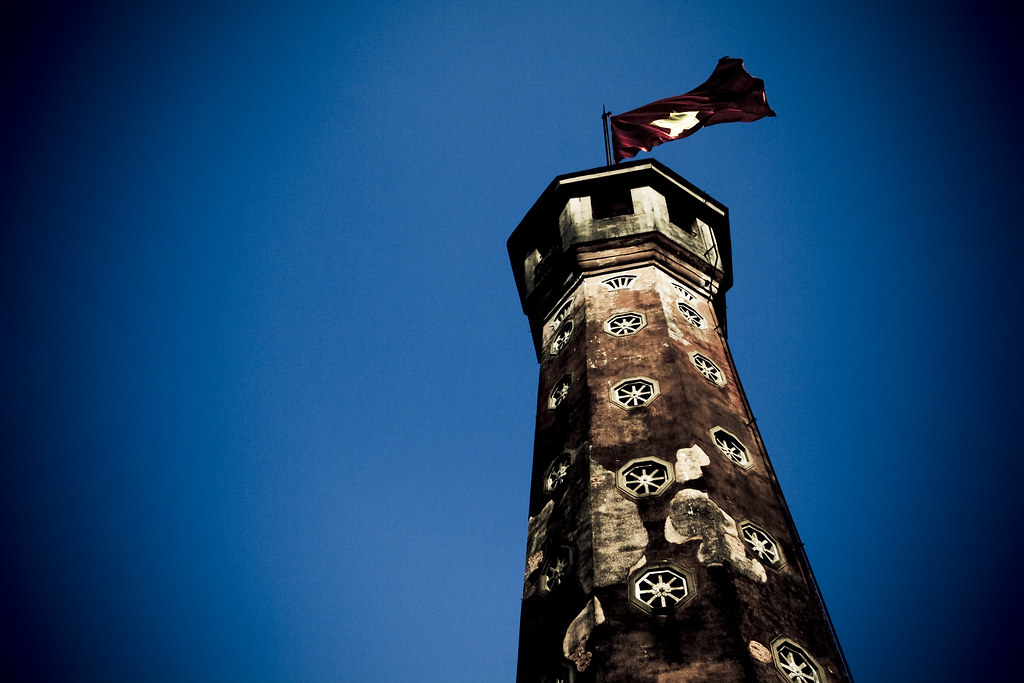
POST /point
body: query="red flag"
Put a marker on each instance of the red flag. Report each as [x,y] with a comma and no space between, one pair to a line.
[730,94]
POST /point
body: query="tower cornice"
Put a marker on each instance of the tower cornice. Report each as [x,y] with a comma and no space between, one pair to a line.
[622,216]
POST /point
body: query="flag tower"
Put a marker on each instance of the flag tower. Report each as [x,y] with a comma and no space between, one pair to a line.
[660,548]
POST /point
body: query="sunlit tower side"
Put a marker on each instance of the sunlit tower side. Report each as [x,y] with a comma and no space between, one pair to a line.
[660,547]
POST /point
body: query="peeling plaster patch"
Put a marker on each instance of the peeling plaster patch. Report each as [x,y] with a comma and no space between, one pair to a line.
[535,538]
[599,475]
[533,563]
[574,645]
[676,334]
[670,317]
[760,652]
[689,461]
[619,536]
[668,298]
[538,531]
[692,516]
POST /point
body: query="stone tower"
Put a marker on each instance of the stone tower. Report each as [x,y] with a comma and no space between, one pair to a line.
[660,547]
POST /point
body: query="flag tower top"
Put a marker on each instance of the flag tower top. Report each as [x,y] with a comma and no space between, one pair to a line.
[648,211]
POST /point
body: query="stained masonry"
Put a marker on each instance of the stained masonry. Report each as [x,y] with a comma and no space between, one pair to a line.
[659,546]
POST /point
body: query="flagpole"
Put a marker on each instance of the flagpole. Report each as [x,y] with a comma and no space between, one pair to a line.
[607,147]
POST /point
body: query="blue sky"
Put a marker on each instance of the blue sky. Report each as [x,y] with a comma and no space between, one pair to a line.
[268,387]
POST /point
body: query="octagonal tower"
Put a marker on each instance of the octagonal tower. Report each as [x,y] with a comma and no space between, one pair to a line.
[660,548]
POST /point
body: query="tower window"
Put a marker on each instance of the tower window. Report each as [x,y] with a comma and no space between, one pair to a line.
[730,447]
[684,294]
[555,569]
[761,544]
[706,367]
[624,324]
[794,663]
[635,392]
[645,477]
[562,337]
[692,316]
[562,311]
[619,282]
[560,673]
[557,473]
[611,204]
[661,589]
[560,391]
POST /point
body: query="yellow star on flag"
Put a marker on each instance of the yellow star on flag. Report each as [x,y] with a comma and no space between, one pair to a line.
[677,122]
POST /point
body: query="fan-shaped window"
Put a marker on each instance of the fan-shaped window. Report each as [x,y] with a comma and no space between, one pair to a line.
[619,282]
[562,311]
[685,294]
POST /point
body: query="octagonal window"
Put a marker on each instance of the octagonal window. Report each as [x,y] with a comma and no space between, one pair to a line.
[562,337]
[619,282]
[707,367]
[559,393]
[560,673]
[661,588]
[692,316]
[555,569]
[635,392]
[645,477]
[794,663]
[557,473]
[730,447]
[623,324]
[762,544]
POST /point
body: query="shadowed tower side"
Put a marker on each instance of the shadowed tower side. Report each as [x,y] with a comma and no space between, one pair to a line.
[660,547]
